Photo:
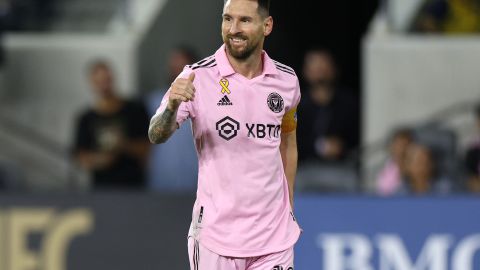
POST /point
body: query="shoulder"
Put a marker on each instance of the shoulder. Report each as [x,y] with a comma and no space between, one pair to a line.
[85,118]
[284,69]
[86,114]
[205,63]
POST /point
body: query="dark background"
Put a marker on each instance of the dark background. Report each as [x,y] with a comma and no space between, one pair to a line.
[337,25]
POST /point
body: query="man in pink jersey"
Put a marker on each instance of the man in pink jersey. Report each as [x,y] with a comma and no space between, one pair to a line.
[242,105]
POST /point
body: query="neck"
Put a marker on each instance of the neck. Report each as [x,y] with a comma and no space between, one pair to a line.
[250,67]
[420,184]
[108,104]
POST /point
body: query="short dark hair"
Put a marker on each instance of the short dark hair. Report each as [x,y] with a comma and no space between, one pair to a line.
[97,64]
[399,132]
[263,7]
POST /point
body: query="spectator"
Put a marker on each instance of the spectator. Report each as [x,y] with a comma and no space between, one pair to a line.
[422,176]
[393,172]
[173,166]
[329,126]
[111,137]
[448,16]
[472,160]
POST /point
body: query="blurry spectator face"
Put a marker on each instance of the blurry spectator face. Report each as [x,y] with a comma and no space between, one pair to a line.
[473,184]
[318,67]
[399,146]
[420,167]
[102,81]
[178,60]
[244,28]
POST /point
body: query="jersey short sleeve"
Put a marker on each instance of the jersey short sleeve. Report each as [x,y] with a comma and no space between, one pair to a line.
[185,110]
[289,120]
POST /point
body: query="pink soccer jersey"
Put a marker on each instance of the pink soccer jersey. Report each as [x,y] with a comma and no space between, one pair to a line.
[242,207]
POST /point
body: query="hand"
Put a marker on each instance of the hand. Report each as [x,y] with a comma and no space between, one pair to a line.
[330,148]
[333,148]
[181,90]
[104,160]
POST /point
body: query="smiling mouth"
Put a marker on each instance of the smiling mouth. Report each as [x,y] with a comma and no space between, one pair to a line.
[237,41]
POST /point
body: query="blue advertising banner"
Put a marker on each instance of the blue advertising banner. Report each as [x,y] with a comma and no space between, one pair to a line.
[405,233]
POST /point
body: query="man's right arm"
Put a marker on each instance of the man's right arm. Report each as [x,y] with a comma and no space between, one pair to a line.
[164,123]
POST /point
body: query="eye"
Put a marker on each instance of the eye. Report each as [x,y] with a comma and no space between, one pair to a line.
[227,19]
[245,20]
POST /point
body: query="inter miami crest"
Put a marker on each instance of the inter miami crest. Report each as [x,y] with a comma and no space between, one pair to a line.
[275,102]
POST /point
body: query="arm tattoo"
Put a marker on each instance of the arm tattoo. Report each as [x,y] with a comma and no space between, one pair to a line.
[162,126]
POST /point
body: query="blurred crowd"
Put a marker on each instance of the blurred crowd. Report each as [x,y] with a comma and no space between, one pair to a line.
[111,135]
[448,16]
[111,140]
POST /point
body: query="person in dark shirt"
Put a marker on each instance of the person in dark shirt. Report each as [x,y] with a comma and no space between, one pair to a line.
[329,126]
[472,160]
[111,138]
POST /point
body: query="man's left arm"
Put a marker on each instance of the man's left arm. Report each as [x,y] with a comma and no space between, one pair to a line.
[288,149]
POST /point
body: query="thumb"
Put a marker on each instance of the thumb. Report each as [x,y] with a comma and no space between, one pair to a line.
[191,77]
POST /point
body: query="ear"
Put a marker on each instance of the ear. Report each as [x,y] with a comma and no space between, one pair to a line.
[267,26]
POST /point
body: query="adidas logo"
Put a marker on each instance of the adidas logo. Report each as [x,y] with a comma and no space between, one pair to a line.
[225,101]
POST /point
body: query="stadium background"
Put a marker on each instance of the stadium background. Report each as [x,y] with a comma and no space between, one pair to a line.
[51,218]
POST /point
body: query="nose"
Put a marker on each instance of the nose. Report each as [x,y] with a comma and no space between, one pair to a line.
[234,29]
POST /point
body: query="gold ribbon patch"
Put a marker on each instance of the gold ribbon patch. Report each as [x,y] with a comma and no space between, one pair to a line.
[224,83]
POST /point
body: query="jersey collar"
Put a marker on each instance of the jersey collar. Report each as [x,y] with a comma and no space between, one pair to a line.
[226,68]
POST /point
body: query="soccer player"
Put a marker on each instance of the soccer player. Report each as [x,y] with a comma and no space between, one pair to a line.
[243,110]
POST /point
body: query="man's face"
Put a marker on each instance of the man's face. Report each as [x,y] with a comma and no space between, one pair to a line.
[102,81]
[399,147]
[243,28]
[420,162]
[318,67]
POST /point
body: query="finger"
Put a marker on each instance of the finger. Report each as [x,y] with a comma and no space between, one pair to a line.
[190,90]
[182,84]
[189,96]
[184,96]
[191,77]
[179,97]
[188,93]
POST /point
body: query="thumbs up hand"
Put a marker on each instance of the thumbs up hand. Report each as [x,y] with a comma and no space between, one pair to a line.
[182,90]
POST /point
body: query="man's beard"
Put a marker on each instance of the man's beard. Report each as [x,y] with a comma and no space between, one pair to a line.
[240,55]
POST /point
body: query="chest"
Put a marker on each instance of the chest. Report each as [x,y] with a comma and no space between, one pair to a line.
[232,108]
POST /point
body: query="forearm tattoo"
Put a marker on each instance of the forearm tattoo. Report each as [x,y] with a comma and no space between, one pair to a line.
[162,126]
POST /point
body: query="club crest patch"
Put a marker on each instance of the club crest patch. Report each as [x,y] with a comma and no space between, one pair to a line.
[275,102]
